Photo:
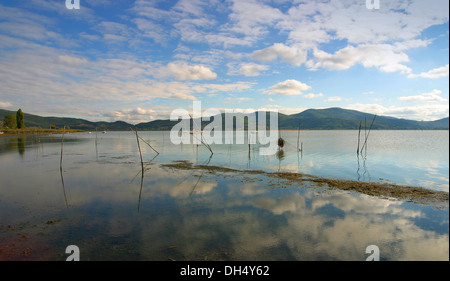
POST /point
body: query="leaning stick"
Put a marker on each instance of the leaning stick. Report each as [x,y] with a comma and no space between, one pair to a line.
[140,153]
[359,137]
[370,128]
[149,145]
[62,144]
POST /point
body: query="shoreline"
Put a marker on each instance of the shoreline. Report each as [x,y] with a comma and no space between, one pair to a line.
[418,195]
[14,132]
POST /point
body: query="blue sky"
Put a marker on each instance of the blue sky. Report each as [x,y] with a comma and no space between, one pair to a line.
[137,61]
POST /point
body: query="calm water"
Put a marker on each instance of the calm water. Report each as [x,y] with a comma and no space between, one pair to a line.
[102,204]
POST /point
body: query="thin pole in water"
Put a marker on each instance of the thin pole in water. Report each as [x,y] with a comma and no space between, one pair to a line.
[367,136]
[359,137]
[140,153]
[62,144]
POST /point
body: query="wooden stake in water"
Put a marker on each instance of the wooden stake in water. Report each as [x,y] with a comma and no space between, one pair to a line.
[359,137]
[62,144]
[149,145]
[368,133]
[201,135]
[140,153]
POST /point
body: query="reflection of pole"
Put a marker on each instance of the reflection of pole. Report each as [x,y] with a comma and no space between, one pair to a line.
[61,168]
[140,191]
[64,188]
[96,150]
[200,177]
[357,171]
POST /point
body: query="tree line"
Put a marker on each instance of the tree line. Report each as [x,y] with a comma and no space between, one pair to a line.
[15,121]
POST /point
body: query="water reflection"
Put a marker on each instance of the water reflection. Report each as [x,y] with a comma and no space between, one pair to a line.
[21,141]
[202,214]
[365,172]
[14,144]
[64,188]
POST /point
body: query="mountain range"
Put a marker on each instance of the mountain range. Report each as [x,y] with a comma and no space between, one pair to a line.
[312,119]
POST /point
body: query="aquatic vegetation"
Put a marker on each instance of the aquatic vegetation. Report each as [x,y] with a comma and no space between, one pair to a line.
[379,189]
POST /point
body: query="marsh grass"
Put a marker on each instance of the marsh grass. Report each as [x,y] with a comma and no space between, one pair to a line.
[379,189]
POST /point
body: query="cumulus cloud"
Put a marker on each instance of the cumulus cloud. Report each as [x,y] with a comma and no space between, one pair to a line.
[425,97]
[425,112]
[4,104]
[238,100]
[385,57]
[292,55]
[247,69]
[288,88]
[72,60]
[313,96]
[333,99]
[315,22]
[252,18]
[138,115]
[184,71]
[432,74]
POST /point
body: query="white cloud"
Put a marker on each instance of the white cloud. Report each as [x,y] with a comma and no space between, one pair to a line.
[247,69]
[288,88]
[238,100]
[151,30]
[138,115]
[314,22]
[313,96]
[425,97]
[425,112]
[44,76]
[432,74]
[184,71]
[252,18]
[283,109]
[333,99]
[72,60]
[5,104]
[292,55]
[385,57]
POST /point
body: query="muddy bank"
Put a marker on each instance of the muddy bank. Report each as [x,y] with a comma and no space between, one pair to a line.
[380,189]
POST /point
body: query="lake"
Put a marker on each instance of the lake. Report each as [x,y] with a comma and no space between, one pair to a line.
[101,203]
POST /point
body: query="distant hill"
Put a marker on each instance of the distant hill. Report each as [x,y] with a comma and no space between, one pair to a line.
[311,119]
[328,119]
[338,118]
[74,123]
